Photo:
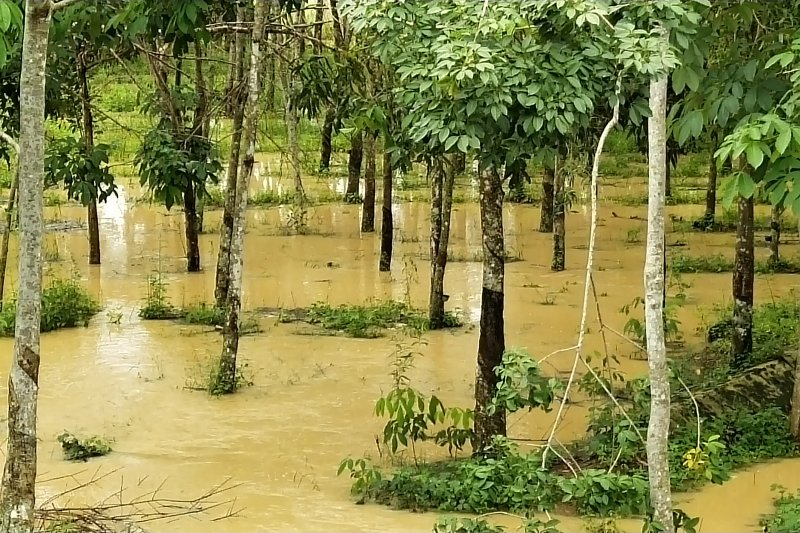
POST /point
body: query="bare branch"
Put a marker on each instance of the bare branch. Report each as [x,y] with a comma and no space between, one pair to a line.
[62,4]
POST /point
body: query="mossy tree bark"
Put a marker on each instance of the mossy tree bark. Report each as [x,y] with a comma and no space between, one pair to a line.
[658,426]
[548,204]
[743,280]
[442,180]
[230,333]
[18,495]
[559,223]
[387,221]
[368,208]
[354,166]
[238,99]
[491,342]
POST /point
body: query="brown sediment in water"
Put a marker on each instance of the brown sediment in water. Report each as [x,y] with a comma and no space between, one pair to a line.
[312,401]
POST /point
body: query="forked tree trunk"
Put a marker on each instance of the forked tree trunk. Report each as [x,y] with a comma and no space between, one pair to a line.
[743,279]
[12,195]
[711,188]
[238,97]
[658,427]
[88,139]
[491,343]
[387,222]
[775,235]
[326,141]
[368,209]
[559,223]
[354,167]
[17,502]
[230,333]
[548,203]
[442,181]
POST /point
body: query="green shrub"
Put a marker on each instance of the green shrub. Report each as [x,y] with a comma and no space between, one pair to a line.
[76,449]
[786,518]
[65,304]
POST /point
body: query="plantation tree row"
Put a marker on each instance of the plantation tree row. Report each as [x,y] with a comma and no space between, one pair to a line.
[438,83]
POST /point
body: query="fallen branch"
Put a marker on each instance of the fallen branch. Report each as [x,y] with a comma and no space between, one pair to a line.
[588,279]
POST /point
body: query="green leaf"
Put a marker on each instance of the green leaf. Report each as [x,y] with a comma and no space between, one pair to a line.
[782,143]
[754,156]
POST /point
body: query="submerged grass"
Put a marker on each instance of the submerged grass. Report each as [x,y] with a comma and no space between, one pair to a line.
[65,304]
[368,321]
[715,264]
[786,516]
[205,376]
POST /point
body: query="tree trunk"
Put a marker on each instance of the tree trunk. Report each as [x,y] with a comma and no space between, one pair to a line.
[668,179]
[559,223]
[491,343]
[743,279]
[88,139]
[368,209]
[775,235]
[230,333]
[548,202]
[441,206]
[387,222]
[711,189]
[319,20]
[658,427]
[795,413]
[292,127]
[354,167]
[232,76]
[459,163]
[190,223]
[326,145]
[12,195]
[200,127]
[18,499]
[338,27]
[222,281]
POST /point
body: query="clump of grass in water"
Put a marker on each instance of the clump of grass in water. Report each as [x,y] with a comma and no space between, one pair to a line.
[205,376]
[157,306]
[367,321]
[65,304]
[715,264]
[77,449]
[786,517]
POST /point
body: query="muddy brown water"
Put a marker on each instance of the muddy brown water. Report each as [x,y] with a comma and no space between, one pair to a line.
[282,439]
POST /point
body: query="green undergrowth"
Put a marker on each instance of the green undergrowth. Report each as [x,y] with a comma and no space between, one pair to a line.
[716,264]
[727,221]
[157,306]
[204,375]
[367,321]
[65,304]
[786,516]
[216,198]
[77,449]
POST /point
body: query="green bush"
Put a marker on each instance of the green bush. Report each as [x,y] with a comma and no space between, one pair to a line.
[76,449]
[65,304]
[786,518]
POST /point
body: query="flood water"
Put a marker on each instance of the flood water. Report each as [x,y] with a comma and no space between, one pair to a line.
[281,440]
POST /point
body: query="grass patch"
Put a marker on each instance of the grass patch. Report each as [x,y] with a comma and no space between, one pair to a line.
[77,449]
[726,222]
[715,264]
[65,304]
[786,517]
[511,256]
[367,321]
[205,376]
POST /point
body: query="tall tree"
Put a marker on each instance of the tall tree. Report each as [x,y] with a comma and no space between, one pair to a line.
[387,220]
[743,280]
[442,177]
[658,427]
[18,499]
[548,204]
[230,344]
[559,221]
[368,207]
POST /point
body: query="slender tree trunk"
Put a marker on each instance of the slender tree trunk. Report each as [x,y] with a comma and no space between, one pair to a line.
[559,223]
[711,189]
[201,126]
[190,219]
[443,177]
[232,78]
[326,143]
[230,333]
[743,279]
[238,98]
[368,209]
[775,235]
[795,413]
[319,20]
[17,502]
[88,139]
[293,127]
[668,177]
[354,167]
[459,163]
[338,27]
[387,222]
[658,427]
[548,202]
[491,343]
